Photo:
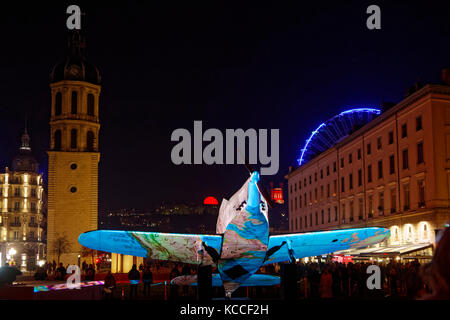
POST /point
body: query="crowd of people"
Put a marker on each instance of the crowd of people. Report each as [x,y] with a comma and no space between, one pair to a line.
[334,280]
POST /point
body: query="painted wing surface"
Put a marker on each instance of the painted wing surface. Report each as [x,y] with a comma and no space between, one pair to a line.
[186,248]
[318,243]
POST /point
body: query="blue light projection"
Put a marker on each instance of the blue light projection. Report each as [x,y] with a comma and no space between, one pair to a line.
[333,130]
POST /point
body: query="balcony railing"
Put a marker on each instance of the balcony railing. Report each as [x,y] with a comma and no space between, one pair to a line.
[15,224]
[33,225]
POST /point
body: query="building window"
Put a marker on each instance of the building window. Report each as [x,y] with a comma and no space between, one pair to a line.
[420,153]
[328,170]
[391,164]
[404,131]
[328,190]
[405,159]
[335,213]
[370,206]
[334,187]
[73,138]
[315,194]
[310,181]
[90,145]
[58,103]
[391,137]
[306,222]
[304,199]
[321,173]
[321,192]
[334,166]
[381,203]
[361,209]
[90,104]
[74,104]
[419,123]
[421,189]
[57,142]
[295,201]
[16,206]
[342,162]
[317,218]
[393,200]
[300,201]
[33,207]
[350,159]
[33,192]
[310,219]
[322,220]
[406,197]
[379,143]
[380,169]
[352,213]
[304,182]
[369,173]
[359,178]
[369,151]
[16,192]
[343,212]
[342,185]
[359,154]
[296,225]
[350,181]
[329,215]
[301,224]
[16,235]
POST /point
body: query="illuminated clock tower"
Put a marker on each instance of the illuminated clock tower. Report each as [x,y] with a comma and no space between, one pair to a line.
[74,155]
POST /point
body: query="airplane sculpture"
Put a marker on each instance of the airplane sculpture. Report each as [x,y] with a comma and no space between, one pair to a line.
[241,246]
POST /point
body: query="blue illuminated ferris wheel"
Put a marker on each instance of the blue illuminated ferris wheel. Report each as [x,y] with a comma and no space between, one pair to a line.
[335,129]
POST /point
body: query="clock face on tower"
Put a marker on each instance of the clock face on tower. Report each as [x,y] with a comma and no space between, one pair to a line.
[74,71]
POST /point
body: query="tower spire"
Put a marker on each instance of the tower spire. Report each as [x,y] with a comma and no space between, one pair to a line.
[25,145]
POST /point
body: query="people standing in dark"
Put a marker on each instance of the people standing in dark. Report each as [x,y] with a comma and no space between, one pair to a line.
[84,267]
[174,288]
[90,273]
[41,274]
[60,272]
[393,278]
[134,276]
[8,274]
[109,286]
[326,283]
[147,279]
[337,277]
[314,281]
[53,266]
[437,272]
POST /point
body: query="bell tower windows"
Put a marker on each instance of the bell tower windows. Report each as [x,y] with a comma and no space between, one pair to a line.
[73,138]
[58,103]
[90,104]
[74,104]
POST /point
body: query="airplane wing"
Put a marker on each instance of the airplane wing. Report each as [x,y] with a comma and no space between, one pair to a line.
[186,248]
[317,243]
[254,280]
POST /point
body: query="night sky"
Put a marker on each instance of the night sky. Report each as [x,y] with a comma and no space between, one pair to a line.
[285,65]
